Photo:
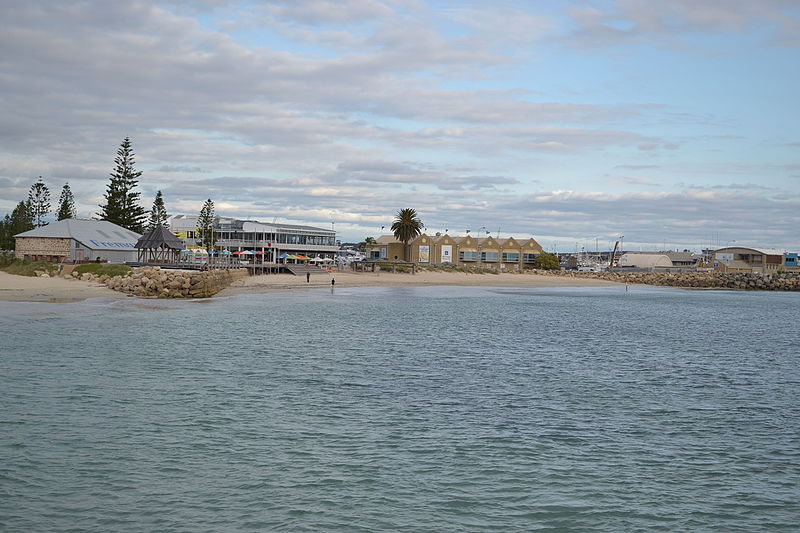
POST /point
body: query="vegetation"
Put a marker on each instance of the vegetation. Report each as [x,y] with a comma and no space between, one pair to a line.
[362,246]
[205,226]
[66,204]
[19,221]
[466,269]
[547,261]
[406,226]
[100,269]
[23,267]
[158,214]
[39,202]
[122,203]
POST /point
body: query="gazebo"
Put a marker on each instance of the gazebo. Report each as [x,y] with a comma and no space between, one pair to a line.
[159,245]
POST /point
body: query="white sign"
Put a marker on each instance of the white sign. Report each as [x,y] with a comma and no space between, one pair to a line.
[447,253]
[383,252]
[424,254]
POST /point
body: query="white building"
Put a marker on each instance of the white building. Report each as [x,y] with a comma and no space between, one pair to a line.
[269,240]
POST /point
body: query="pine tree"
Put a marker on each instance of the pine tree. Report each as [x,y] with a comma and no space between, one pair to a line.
[6,238]
[39,200]
[122,203]
[20,221]
[205,226]
[158,214]
[66,204]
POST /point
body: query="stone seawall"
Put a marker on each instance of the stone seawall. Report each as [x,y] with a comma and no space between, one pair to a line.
[717,280]
[155,282]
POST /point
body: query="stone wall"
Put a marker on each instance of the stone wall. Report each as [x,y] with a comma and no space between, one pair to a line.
[788,281]
[155,282]
[42,246]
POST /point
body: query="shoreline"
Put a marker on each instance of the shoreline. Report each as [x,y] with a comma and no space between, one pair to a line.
[15,288]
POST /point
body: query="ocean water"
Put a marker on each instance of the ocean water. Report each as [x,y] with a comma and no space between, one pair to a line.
[408,410]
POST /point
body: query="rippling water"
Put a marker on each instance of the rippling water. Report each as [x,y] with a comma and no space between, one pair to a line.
[427,409]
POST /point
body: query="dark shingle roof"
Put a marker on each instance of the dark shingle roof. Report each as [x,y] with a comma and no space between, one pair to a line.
[159,237]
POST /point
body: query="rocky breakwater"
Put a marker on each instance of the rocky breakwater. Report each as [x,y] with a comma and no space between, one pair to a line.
[155,282]
[786,281]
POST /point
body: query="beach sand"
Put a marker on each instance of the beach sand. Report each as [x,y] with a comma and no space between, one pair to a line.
[282,282]
[30,289]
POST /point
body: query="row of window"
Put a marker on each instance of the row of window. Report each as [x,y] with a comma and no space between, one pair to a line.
[282,238]
[492,257]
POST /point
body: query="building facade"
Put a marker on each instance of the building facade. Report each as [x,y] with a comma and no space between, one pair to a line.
[740,259]
[77,239]
[268,240]
[501,254]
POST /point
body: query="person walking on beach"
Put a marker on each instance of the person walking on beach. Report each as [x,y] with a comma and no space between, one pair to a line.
[308,277]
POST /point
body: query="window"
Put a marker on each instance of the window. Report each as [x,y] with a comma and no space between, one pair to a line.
[489,257]
[190,234]
[529,258]
[510,257]
[467,256]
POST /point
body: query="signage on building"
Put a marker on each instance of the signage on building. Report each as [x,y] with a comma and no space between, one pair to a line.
[725,259]
[447,253]
[425,254]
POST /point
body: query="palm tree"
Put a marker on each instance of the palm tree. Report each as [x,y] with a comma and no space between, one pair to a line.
[406,226]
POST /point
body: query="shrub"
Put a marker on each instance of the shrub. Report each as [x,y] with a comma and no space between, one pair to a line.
[547,261]
[99,269]
[22,267]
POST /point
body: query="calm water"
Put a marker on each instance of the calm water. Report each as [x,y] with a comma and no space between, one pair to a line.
[429,410]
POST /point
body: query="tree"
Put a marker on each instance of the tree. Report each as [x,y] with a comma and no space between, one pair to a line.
[547,261]
[122,203]
[6,238]
[39,201]
[405,227]
[19,222]
[66,204]
[158,214]
[369,241]
[205,226]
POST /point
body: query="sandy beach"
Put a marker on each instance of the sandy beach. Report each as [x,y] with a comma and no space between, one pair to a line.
[29,289]
[264,284]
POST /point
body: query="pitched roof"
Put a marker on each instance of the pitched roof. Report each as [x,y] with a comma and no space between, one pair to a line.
[159,237]
[93,234]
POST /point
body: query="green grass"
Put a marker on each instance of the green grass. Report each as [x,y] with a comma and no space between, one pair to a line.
[98,269]
[21,267]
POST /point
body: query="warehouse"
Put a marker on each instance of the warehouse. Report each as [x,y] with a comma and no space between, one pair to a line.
[78,240]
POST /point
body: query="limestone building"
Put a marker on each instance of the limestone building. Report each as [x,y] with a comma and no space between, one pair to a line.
[77,239]
[502,254]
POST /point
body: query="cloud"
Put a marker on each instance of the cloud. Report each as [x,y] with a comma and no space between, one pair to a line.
[666,22]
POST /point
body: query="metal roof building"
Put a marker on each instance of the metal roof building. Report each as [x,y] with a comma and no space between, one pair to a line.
[78,239]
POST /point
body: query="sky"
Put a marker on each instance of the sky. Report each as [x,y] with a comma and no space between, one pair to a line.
[671,123]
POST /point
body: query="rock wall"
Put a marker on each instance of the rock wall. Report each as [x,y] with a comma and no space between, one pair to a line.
[787,281]
[155,282]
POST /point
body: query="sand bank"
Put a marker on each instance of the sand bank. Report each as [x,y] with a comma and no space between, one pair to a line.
[29,289]
[23,288]
[283,282]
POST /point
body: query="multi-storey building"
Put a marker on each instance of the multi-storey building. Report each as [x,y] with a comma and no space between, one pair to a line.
[268,240]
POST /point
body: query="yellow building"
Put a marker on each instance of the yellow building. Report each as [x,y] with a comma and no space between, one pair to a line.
[502,254]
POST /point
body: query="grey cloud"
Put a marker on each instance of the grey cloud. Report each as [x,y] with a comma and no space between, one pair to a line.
[328,11]
[180,168]
[630,20]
